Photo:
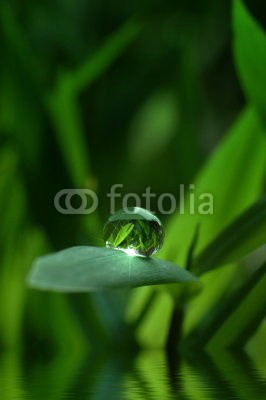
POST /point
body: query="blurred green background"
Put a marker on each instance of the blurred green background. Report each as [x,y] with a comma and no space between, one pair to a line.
[138,93]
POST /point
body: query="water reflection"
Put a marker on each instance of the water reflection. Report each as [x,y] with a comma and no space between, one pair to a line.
[148,375]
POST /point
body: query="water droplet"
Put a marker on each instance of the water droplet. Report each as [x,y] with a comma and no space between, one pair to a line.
[135,231]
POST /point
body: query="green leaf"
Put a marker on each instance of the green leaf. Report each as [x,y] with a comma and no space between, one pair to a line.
[250,56]
[238,318]
[223,311]
[104,57]
[86,269]
[233,191]
[233,175]
[244,235]
[122,234]
[64,107]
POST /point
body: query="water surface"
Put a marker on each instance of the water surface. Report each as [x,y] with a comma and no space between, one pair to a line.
[148,375]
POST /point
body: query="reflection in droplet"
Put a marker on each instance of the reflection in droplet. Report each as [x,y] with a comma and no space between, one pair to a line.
[135,231]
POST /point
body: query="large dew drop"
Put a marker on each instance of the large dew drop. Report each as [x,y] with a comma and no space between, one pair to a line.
[135,231]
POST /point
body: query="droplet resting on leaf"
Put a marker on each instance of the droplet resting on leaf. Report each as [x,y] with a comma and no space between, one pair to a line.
[135,231]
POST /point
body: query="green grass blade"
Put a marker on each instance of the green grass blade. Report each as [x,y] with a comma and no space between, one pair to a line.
[243,313]
[244,146]
[244,235]
[234,190]
[228,309]
[64,108]
[96,64]
[117,238]
[250,55]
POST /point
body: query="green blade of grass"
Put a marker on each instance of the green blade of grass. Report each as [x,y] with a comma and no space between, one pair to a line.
[230,309]
[233,190]
[19,45]
[96,64]
[250,56]
[244,235]
[85,269]
[244,145]
[64,108]
[242,313]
